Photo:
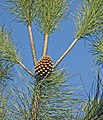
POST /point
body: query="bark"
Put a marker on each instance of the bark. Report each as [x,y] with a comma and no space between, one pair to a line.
[35,105]
[66,52]
[25,68]
[45,47]
[32,44]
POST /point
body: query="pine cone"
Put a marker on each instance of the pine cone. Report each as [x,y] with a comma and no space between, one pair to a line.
[43,67]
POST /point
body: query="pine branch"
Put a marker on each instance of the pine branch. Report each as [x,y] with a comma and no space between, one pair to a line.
[32,44]
[53,99]
[26,11]
[8,51]
[25,68]
[45,47]
[89,21]
[66,52]
[35,105]
[49,17]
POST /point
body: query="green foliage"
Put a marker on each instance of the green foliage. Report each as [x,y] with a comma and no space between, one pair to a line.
[3,110]
[8,50]
[24,10]
[5,71]
[4,99]
[50,14]
[93,108]
[97,50]
[8,58]
[58,99]
[15,100]
[89,18]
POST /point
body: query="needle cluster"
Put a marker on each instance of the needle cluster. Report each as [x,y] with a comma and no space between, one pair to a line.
[89,18]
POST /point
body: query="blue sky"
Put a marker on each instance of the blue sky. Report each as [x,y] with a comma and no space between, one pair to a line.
[78,61]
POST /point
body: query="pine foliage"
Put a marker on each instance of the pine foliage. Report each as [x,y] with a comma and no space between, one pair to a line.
[8,50]
[97,50]
[50,15]
[93,108]
[16,98]
[89,18]
[3,108]
[5,71]
[24,10]
[57,98]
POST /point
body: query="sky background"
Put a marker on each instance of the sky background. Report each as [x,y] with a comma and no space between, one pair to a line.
[78,61]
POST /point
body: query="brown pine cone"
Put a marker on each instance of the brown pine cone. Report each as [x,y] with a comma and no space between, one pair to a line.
[43,67]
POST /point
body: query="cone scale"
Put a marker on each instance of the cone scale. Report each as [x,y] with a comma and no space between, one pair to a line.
[43,67]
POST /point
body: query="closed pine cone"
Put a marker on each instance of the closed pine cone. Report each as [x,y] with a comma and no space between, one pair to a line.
[43,67]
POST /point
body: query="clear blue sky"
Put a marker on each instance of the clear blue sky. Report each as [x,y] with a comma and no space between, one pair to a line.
[78,61]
